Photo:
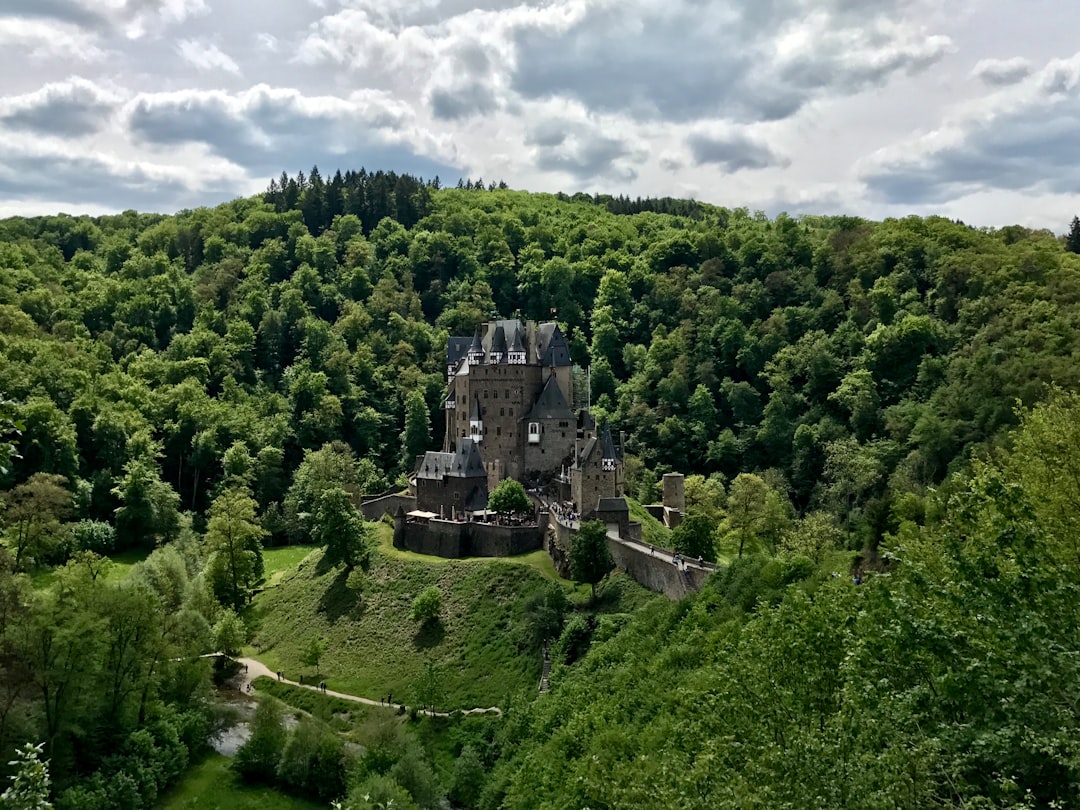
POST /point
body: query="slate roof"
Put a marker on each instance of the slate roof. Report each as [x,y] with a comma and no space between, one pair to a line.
[607,444]
[551,404]
[551,348]
[456,349]
[465,462]
[612,505]
[590,445]
[498,341]
[516,343]
[474,410]
[477,342]
[500,336]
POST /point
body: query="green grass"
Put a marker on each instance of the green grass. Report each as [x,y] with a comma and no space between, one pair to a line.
[118,571]
[652,530]
[372,645]
[340,714]
[211,785]
[282,561]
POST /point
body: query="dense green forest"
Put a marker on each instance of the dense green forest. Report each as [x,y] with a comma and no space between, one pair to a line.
[212,382]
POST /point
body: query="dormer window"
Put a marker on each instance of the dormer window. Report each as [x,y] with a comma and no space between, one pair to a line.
[516,358]
[608,464]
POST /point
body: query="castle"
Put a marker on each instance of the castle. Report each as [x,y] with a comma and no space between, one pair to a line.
[508,414]
[508,410]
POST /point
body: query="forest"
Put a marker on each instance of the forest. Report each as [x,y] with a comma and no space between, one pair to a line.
[187,390]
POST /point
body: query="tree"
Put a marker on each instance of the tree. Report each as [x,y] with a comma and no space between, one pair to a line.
[745,502]
[10,429]
[313,653]
[229,633]
[234,538]
[590,560]
[1072,240]
[416,437]
[509,496]
[257,759]
[426,605]
[814,536]
[149,511]
[428,687]
[694,537]
[34,512]
[339,527]
[29,789]
[467,780]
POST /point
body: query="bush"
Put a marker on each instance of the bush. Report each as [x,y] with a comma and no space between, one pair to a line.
[257,759]
[575,639]
[93,535]
[426,605]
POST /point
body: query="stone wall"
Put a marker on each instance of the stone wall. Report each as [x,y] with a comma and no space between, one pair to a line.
[557,545]
[655,571]
[651,568]
[375,508]
[452,539]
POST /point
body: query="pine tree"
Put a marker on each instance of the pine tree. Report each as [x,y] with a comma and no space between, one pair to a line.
[1072,241]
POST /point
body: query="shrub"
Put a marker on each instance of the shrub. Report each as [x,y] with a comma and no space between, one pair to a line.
[93,535]
[426,605]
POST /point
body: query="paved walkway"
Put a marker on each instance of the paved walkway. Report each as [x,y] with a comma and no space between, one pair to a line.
[256,669]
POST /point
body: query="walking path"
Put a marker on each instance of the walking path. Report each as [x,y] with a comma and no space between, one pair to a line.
[256,669]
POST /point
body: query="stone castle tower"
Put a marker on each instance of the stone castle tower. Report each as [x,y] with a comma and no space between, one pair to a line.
[510,390]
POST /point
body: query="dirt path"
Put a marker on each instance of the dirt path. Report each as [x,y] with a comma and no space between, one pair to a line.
[256,669]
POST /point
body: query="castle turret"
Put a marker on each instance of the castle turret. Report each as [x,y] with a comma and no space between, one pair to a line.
[516,353]
[476,349]
[498,346]
[608,459]
[476,423]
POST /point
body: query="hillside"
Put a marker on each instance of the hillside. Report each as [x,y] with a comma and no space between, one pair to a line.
[941,683]
[480,643]
[196,388]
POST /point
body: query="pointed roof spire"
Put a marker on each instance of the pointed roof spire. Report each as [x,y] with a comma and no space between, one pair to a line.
[498,342]
[474,411]
[516,343]
[477,346]
[607,445]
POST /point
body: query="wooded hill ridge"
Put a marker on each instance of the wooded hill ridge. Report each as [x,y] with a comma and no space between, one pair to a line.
[825,383]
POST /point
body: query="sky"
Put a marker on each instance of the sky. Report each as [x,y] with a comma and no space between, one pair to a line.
[967,108]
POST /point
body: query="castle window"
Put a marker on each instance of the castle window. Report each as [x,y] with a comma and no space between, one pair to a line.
[498,431]
[534,433]
[511,411]
[502,411]
[494,394]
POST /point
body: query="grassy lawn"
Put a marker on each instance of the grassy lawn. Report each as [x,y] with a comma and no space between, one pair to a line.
[652,530]
[373,646]
[210,785]
[282,561]
[122,563]
[340,714]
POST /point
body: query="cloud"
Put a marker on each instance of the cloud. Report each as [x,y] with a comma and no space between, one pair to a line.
[265,129]
[43,41]
[732,150]
[206,56]
[744,61]
[131,18]
[1021,138]
[1001,72]
[470,88]
[50,171]
[584,149]
[70,108]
